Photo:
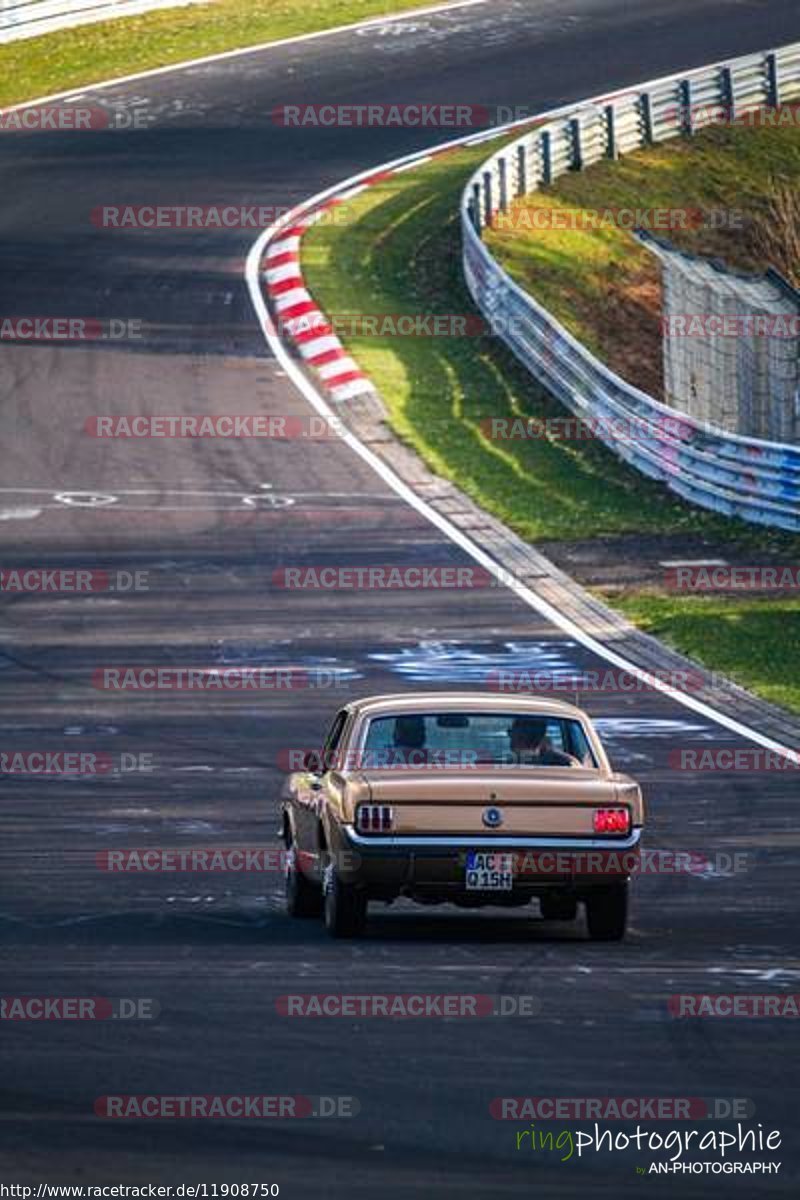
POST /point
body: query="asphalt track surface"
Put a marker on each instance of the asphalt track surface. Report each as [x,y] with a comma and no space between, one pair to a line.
[215,951]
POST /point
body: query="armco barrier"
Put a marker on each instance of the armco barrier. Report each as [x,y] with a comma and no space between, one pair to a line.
[30,18]
[744,477]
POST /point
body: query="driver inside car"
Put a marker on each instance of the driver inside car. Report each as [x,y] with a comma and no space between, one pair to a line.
[409,741]
[530,744]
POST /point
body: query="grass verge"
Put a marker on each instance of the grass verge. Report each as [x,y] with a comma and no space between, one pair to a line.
[601,283]
[73,58]
[400,253]
[750,640]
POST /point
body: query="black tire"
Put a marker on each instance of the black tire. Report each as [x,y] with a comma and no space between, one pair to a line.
[345,907]
[607,913]
[303,898]
[558,908]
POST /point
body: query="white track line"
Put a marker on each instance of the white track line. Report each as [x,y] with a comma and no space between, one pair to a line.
[319,403]
[354,27]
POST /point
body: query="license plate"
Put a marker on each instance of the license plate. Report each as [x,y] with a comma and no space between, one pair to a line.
[489,872]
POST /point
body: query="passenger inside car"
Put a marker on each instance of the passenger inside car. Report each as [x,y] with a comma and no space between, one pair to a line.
[409,740]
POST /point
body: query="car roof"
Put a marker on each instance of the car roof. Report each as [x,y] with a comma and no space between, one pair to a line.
[403,702]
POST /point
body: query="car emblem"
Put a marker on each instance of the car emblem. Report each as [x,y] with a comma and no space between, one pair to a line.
[492,818]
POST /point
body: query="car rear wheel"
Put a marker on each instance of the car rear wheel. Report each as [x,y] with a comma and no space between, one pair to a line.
[607,913]
[345,907]
[303,898]
[558,908]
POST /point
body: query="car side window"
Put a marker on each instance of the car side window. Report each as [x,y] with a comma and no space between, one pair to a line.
[555,735]
[333,739]
[579,745]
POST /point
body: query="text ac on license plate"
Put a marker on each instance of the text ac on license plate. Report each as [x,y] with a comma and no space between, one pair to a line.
[489,872]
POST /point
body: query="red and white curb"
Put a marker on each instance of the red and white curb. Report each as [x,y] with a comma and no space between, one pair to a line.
[301,320]
[298,317]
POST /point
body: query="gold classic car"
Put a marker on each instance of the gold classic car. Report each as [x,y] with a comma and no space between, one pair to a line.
[463,798]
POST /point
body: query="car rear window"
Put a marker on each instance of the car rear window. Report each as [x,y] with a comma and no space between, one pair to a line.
[470,738]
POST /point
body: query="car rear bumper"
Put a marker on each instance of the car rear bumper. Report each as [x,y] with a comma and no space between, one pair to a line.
[376,844]
[436,866]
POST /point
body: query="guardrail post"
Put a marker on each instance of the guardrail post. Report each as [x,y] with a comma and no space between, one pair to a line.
[687,117]
[476,206]
[728,93]
[473,216]
[773,81]
[547,157]
[522,169]
[611,131]
[646,108]
[503,180]
[487,197]
[575,139]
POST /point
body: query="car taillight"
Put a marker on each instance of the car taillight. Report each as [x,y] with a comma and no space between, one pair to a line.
[373,818]
[612,820]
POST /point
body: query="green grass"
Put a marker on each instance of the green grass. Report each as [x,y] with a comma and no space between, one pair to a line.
[399,252]
[749,640]
[602,284]
[73,58]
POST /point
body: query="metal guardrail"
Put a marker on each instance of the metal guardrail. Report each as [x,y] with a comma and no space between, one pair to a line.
[745,477]
[31,18]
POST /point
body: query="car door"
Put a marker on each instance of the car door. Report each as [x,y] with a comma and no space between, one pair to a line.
[309,798]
